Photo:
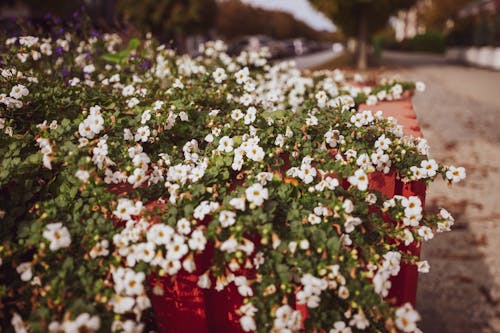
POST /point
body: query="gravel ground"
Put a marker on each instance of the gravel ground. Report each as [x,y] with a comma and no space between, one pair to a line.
[460,117]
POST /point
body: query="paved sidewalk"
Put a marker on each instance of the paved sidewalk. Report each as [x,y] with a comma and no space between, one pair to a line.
[460,117]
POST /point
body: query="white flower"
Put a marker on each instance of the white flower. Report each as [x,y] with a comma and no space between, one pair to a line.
[46,49]
[248,309]
[128,90]
[18,91]
[407,237]
[420,86]
[359,321]
[134,282]
[429,167]
[333,137]
[256,194]
[219,75]
[226,144]
[280,140]
[283,315]
[18,324]
[146,116]
[250,115]
[381,283]
[227,218]
[197,240]
[24,270]
[142,134]
[406,318]
[425,233]
[177,248]
[183,116]
[351,223]
[308,298]
[248,324]
[145,251]
[304,244]
[229,246]
[264,177]
[237,114]
[412,219]
[128,326]
[209,138]
[184,226]
[241,76]
[85,323]
[321,98]
[214,112]
[307,173]
[178,84]
[126,208]
[371,100]
[100,249]
[137,177]
[340,327]
[446,215]
[204,281]
[246,99]
[423,266]
[343,292]
[189,265]
[89,69]
[122,304]
[95,122]
[255,153]
[83,175]
[455,174]
[244,288]
[383,143]
[314,219]
[412,205]
[173,267]
[359,179]
[58,235]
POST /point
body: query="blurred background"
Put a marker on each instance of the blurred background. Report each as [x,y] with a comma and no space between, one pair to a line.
[465,30]
[451,45]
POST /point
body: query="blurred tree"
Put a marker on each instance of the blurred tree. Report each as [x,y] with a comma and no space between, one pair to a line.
[435,14]
[361,18]
[169,19]
[60,8]
[236,19]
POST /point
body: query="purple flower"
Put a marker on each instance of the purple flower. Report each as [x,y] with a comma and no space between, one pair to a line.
[59,50]
[145,64]
[64,72]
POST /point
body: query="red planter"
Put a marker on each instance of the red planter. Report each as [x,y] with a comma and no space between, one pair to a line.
[180,306]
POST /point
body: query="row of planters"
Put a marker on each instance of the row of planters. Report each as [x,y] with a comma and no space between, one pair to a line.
[132,176]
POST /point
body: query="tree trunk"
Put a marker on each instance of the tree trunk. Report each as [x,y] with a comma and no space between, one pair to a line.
[362,41]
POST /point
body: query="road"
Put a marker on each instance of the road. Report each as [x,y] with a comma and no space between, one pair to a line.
[315,59]
[460,117]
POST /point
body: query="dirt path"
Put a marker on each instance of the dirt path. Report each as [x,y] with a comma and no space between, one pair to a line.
[460,117]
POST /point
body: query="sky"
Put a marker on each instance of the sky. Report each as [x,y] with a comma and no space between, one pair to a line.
[301,9]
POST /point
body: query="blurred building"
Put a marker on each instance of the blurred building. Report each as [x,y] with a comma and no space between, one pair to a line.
[479,6]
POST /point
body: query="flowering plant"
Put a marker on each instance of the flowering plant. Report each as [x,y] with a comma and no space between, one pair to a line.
[120,162]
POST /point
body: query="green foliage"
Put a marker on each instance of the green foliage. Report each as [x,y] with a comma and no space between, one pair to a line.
[430,41]
[168,18]
[98,151]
